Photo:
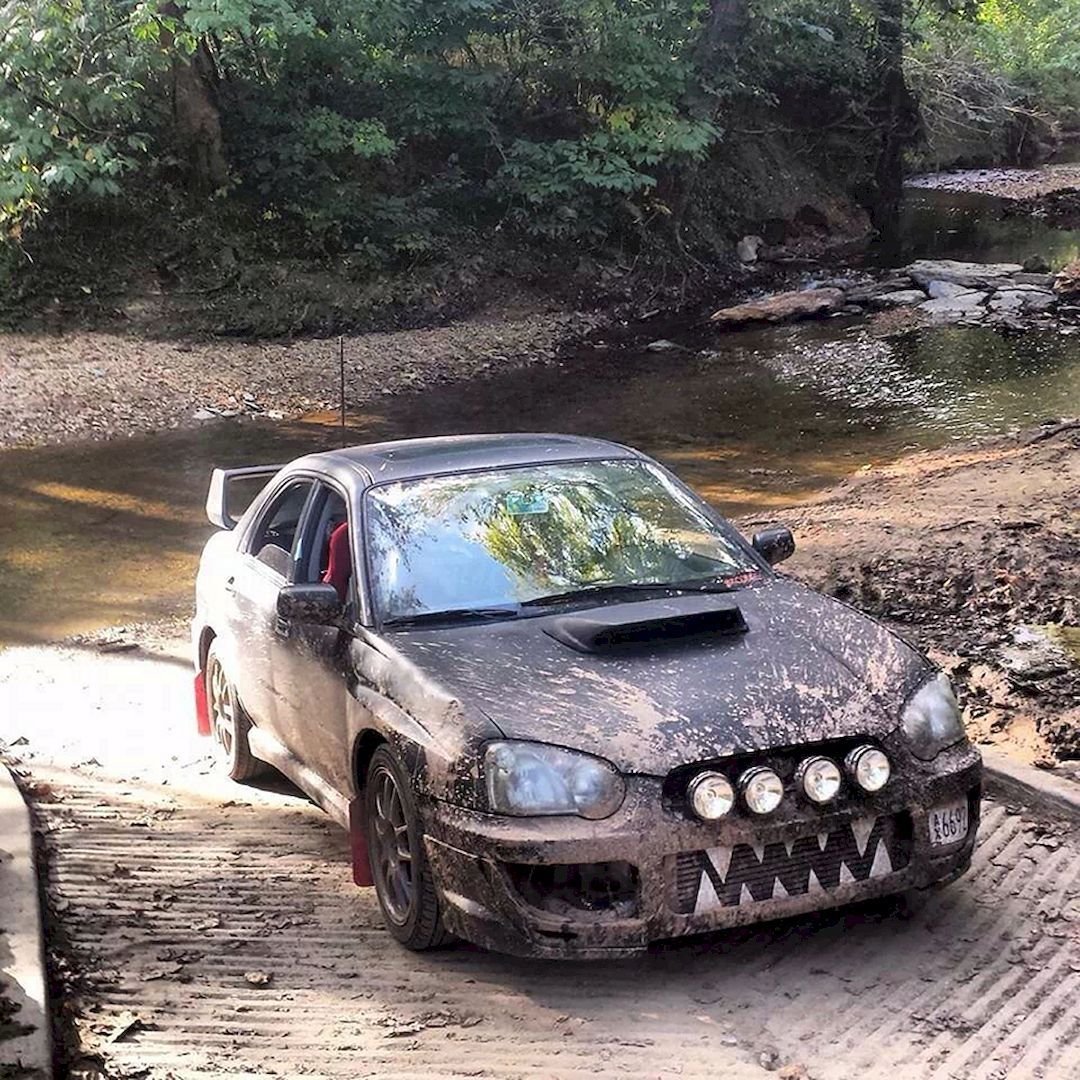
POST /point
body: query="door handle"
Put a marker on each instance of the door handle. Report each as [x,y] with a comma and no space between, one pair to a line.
[230,585]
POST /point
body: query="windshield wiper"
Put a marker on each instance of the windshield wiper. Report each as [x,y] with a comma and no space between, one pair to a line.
[699,585]
[503,611]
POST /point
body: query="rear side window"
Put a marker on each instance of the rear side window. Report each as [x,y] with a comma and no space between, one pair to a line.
[275,536]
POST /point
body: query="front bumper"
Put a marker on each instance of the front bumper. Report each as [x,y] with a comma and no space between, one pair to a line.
[801,861]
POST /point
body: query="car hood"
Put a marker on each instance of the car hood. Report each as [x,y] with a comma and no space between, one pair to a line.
[805,668]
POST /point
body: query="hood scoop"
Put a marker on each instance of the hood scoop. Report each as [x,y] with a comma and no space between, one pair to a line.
[649,625]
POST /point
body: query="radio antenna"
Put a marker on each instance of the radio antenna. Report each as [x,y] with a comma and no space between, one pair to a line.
[341,385]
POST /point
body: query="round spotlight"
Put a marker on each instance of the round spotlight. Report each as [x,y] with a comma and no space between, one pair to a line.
[869,767]
[711,795]
[820,779]
[762,789]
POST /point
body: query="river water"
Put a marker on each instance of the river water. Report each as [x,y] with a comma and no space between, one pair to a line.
[106,533]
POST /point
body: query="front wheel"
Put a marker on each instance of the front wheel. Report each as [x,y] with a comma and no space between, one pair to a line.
[399,866]
[229,724]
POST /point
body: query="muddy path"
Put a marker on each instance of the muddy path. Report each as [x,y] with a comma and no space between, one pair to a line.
[972,553]
[200,928]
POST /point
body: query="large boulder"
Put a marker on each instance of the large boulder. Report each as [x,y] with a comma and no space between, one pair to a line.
[1067,282]
[970,275]
[1011,300]
[939,290]
[781,306]
[965,305]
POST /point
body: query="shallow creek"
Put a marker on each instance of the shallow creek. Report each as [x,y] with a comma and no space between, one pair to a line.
[100,534]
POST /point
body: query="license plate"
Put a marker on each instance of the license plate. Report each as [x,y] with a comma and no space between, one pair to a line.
[948,823]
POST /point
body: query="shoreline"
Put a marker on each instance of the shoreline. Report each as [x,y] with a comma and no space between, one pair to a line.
[95,385]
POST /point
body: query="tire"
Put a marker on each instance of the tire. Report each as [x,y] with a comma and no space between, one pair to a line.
[229,724]
[403,882]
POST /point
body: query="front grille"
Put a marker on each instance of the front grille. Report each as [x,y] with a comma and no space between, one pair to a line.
[858,850]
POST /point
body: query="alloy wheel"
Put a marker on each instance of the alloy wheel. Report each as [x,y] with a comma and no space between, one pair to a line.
[392,860]
[222,708]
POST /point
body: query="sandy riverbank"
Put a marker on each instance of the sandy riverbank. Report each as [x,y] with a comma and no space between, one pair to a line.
[77,385]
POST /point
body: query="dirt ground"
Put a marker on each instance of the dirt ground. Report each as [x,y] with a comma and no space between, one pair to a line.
[90,384]
[963,550]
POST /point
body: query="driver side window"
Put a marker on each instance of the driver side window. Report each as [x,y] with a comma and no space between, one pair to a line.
[274,540]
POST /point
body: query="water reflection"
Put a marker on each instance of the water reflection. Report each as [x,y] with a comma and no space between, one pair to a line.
[974,227]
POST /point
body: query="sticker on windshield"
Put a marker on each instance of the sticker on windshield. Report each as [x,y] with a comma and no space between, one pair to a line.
[526,502]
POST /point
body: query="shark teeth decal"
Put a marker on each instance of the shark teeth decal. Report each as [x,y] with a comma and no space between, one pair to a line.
[818,863]
[707,900]
[882,864]
[861,828]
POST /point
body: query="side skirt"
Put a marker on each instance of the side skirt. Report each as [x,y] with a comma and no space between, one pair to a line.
[266,748]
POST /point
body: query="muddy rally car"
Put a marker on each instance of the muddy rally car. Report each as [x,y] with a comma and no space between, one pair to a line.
[563,707]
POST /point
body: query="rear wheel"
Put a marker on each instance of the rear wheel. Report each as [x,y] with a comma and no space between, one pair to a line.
[403,882]
[229,724]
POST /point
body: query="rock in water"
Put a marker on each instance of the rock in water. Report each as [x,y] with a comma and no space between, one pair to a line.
[900,298]
[786,305]
[939,290]
[966,305]
[748,247]
[970,275]
[1067,282]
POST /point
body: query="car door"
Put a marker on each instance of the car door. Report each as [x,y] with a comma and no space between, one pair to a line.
[310,660]
[263,566]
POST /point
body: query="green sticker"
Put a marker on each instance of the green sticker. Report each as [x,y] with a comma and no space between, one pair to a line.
[526,502]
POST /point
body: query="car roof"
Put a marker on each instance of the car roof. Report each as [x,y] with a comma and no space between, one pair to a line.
[409,459]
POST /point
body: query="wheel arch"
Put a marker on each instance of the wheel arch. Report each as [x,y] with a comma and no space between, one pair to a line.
[364,746]
[206,639]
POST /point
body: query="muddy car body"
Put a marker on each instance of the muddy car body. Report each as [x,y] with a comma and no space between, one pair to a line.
[563,708]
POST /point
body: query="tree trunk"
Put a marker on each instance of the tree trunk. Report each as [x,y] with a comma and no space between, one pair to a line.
[895,117]
[725,30]
[196,117]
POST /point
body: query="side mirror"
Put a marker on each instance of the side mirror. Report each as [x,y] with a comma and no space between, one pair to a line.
[774,544]
[316,603]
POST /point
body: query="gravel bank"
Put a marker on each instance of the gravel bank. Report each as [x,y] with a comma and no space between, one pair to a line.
[56,388]
[1004,183]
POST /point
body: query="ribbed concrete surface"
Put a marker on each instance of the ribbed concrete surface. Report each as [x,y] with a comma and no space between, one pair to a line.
[170,900]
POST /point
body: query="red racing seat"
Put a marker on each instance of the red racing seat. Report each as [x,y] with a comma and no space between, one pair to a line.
[339,564]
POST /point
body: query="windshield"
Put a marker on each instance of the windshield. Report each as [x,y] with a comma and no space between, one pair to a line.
[511,536]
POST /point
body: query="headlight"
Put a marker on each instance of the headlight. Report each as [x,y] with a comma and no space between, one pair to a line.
[931,719]
[762,789]
[711,795]
[869,767]
[820,779]
[526,779]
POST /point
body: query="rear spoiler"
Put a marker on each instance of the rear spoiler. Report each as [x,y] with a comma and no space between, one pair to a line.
[218,498]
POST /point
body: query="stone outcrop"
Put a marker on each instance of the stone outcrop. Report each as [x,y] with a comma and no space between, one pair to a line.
[932,290]
[780,307]
[969,275]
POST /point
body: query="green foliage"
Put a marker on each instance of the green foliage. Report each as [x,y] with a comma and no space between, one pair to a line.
[69,105]
[392,131]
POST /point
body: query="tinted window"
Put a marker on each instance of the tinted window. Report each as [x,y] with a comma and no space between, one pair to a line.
[275,535]
[513,535]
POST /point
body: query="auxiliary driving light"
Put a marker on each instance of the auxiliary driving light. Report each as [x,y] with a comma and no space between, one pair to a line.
[820,779]
[869,767]
[762,789]
[711,795]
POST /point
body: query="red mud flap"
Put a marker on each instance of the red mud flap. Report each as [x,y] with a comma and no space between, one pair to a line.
[202,710]
[361,864]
